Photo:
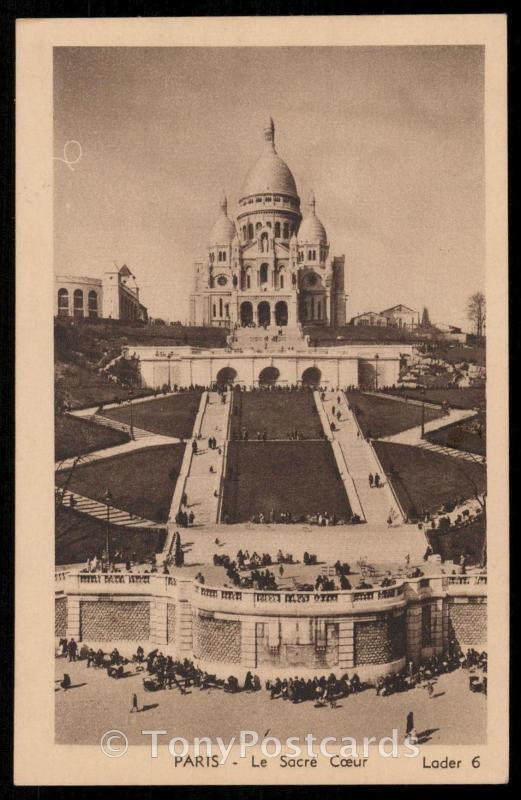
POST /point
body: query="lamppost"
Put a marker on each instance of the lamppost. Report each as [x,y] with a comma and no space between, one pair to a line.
[376,371]
[108,503]
[130,396]
[423,412]
[169,384]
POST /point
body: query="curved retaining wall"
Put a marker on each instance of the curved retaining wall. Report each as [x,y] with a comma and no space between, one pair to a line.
[372,632]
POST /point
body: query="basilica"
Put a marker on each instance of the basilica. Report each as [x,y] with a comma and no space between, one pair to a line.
[272,267]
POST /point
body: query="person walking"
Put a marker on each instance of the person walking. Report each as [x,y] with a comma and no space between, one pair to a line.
[135,704]
[371,479]
[377,480]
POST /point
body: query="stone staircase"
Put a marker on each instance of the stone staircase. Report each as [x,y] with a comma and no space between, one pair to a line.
[139,433]
[361,461]
[450,451]
[201,483]
[85,505]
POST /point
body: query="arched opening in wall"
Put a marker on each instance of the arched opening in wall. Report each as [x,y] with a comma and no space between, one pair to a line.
[226,375]
[263,274]
[263,314]
[277,230]
[93,303]
[246,313]
[281,313]
[63,303]
[78,303]
[250,231]
[268,376]
[311,376]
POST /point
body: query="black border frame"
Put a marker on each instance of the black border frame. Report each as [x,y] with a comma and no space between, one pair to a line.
[17,9]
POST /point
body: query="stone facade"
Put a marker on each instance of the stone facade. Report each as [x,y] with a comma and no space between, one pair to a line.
[216,639]
[380,641]
[372,631]
[468,621]
[60,616]
[114,621]
[272,267]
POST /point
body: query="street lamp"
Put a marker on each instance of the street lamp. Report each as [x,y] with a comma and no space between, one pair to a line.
[130,396]
[169,384]
[108,503]
[376,372]
[423,412]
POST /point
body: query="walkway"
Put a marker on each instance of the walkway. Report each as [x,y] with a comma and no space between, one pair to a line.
[201,483]
[413,436]
[99,510]
[152,440]
[361,461]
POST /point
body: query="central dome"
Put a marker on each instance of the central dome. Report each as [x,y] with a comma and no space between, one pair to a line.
[269,173]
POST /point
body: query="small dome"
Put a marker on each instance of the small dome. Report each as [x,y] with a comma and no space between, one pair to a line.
[223,232]
[269,173]
[311,230]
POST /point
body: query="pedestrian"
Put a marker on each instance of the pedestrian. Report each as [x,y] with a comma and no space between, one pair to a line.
[66,683]
[194,447]
[409,725]
[371,479]
[135,704]
[377,480]
[281,570]
[72,649]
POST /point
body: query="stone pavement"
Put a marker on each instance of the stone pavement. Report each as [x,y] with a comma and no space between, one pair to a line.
[201,483]
[360,460]
[151,440]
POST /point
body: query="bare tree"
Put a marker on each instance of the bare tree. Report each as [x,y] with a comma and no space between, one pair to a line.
[477,312]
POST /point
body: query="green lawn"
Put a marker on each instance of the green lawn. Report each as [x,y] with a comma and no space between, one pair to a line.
[173,415]
[74,436]
[469,397]
[79,537]
[466,541]
[141,482]
[470,436]
[278,413]
[380,416]
[424,480]
[299,477]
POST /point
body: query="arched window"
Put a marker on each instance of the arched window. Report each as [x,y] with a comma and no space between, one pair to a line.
[250,231]
[285,229]
[220,306]
[258,226]
[214,310]
[248,280]
[282,280]
[263,273]
[63,303]
[244,231]
[93,303]
[277,230]
[319,309]
[78,303]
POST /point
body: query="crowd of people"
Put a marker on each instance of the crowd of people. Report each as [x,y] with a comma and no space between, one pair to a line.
[320,518]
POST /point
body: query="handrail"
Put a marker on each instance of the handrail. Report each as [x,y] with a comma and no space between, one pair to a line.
[224,461]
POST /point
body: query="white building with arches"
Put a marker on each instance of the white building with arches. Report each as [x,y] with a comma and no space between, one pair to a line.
[272,267]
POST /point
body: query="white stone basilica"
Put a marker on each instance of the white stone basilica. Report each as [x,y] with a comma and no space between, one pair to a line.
[273,267]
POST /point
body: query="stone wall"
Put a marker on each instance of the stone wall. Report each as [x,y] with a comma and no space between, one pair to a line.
[426,612]
[379,641]
[170,622]
[216,639]
[468,621]
[115,621]
[297,643]
[60,616]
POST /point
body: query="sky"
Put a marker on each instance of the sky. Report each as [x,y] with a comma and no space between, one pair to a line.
[391,140]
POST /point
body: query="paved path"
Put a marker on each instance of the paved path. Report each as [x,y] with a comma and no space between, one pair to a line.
[99,510]
[201,483]
[413,436]
[152,440]
[360,461]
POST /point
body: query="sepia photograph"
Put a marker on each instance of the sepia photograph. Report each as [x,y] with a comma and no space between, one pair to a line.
[269,278]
